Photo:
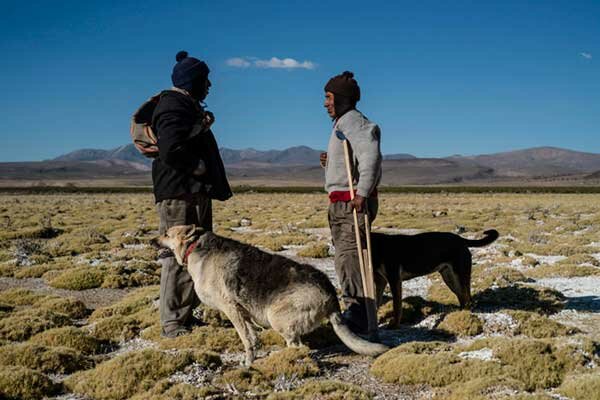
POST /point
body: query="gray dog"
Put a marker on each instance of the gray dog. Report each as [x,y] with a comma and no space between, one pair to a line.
[254,287]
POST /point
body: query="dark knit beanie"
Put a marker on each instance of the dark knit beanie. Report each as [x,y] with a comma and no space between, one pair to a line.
[344,85]
[187,70]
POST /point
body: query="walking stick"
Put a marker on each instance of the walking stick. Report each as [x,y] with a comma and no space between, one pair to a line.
[364,255]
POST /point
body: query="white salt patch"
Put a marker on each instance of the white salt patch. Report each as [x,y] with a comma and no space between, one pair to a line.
[133,345]
[430,322]
[573,287]
[139,246]
[594,244]
[498,323]
[485,354]
[416,287]
[549,260]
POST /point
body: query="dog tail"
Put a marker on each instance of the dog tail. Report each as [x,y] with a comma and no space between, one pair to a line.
[354,342]
[490,236]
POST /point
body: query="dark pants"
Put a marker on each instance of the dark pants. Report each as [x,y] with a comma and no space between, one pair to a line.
[177,296]
[347,267]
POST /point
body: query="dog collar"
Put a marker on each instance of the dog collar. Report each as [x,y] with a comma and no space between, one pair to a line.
[189,251]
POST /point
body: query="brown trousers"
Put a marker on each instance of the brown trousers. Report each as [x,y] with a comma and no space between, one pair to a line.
[347,268]
[177,296]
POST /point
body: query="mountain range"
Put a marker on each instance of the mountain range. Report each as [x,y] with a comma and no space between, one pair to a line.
[299,166]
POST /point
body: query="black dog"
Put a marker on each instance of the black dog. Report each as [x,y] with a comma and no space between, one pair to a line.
[401,257]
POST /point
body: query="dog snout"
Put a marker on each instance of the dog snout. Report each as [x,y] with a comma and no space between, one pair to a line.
[154,242]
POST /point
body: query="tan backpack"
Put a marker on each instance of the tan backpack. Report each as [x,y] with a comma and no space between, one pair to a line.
[142,135]
[141,131]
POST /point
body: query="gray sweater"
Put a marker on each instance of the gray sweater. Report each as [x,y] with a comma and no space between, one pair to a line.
[365,155]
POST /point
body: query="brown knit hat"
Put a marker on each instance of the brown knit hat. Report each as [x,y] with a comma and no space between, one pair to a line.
[344,85]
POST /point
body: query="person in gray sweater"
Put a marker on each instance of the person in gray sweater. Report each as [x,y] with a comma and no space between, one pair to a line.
[341,95]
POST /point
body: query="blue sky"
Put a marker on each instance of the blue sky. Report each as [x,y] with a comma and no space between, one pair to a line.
[439,77]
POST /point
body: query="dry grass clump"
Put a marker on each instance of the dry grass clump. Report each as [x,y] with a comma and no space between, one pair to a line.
[539,326]
[79,279]
[71,337]
[562,270]
[8,270]
[125,319]
[318,250]
[461,323]
[68,306]
[42,358]
[246,380]
[276,242]
[291,361]
[22,324]
[433,368]
[19,297]
[480,389]
[323,390]
[581,387]
[138,300]
[536,364]
[128,374]
[167,390]
[19,383]
[581,259]
[127,275]
[206,338]
[120,328]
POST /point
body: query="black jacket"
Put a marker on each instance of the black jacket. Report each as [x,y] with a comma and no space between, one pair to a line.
[181,146]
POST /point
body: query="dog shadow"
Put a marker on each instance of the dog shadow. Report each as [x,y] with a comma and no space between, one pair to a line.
[525,298]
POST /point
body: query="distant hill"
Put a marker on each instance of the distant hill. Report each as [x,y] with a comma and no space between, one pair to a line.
[538,161]
[299,165]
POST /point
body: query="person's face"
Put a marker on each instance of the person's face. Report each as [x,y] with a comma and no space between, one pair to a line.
[330,104]
[200,89]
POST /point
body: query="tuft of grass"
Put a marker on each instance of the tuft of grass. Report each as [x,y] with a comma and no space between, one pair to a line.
[291,361]
[435,369]
[165,389]
[245,380]
[71,337]
[562,270]
[324,390]
[318,250]
[539,326]
[128,374]
[68,306]
[207,338]
[79,279]
[19,383]
[479,389]
[121,276]
[538,364]
[45,359]
[120,328]
[581,387]
[138,300]
[461,323]
[19,297]
[21,325]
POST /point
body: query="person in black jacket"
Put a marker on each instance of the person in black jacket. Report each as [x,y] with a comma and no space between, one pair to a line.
[186,175]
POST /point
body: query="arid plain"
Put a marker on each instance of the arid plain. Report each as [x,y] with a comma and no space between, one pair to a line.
[79,316]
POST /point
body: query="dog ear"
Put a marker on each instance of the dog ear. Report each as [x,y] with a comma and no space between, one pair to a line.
[192,232]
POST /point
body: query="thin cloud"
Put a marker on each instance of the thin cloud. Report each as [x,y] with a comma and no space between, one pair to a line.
[587,56]
[273,62]
[238,62]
